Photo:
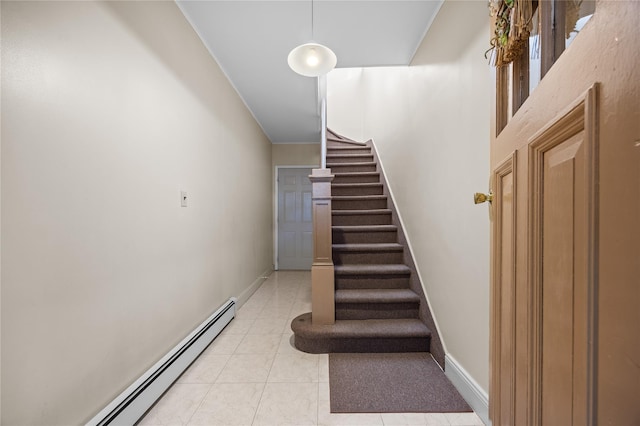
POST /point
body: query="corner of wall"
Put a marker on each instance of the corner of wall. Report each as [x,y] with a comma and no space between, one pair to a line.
[253,287]
[439,355]
[470,390]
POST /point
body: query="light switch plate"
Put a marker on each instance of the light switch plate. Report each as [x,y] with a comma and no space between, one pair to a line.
[183,198]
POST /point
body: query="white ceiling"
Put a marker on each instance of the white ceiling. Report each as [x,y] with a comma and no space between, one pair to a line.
[251,40]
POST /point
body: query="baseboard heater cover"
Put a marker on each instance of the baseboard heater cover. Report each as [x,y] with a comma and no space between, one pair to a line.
[128,407]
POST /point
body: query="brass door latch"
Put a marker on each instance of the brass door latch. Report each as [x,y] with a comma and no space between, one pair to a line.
[479,197]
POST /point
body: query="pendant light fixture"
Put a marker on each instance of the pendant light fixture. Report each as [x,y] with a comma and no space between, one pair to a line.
[312,59]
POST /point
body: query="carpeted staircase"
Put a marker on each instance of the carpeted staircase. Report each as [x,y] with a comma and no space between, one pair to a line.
[380,306]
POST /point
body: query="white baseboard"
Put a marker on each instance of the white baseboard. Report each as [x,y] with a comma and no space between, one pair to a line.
[470,390]
[128,407]
[245,295]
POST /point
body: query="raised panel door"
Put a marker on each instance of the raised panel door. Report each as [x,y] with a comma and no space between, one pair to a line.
[295,221]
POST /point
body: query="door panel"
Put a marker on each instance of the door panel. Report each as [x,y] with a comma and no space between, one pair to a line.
[295,240]
[543,312]
[559,284]
[577,244]
[504,291]
[563,203]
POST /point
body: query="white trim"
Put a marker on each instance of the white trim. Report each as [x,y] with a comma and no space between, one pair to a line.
[245,295]
[129,407]
[275,208]
[296,143]
[426,30]
[224,71]
[406,236]
[470,390]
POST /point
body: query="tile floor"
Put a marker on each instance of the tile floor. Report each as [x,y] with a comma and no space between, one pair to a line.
[252,375]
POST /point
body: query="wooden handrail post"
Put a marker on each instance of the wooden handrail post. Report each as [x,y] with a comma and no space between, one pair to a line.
[323,309]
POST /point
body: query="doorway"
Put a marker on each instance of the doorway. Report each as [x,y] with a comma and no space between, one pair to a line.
[294,221]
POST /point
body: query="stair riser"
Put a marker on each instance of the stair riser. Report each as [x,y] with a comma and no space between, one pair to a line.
[359,283]
[358,311]
[357,179]
[362,151]
[366,258]
[363,345]
[358,204]
[354,158]
[370,219]
[335,144]
[356,190]
[340,237]
[337,168]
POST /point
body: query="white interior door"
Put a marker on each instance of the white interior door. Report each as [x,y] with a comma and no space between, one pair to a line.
[295,237]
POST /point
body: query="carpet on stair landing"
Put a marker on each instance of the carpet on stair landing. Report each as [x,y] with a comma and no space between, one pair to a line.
[390,383]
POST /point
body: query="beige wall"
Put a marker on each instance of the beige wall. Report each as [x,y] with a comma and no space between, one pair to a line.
[430,124]
[295,154]
[108,111]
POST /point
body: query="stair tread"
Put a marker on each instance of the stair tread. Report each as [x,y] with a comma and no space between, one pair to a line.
[368,247]
[365,228]
[358,197]
[356,184]
[360,211]
[343,155]
[358,329]
[363,163]
[339,148]
[356,174]
[372,295]
[365,269]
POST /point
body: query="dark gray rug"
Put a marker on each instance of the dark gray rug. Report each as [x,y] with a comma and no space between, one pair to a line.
[391,383]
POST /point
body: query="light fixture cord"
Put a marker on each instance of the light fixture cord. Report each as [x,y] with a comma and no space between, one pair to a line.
[311,19]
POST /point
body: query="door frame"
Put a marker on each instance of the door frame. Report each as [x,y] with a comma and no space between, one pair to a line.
[276,193]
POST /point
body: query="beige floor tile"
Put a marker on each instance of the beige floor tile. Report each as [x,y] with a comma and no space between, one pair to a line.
[239,326]
[323,368]
[257,301]
[283,295]
[436,419]
[177,406]
[205,369]
[224,344]
[264,293]
[276,312]
[281,299]
[326,418]
[464,419]
[303,297]
[246,368]
[259,344]
[288,404]
[299,309]
[294,367]
[248,314]
[409,419]
[239,394]
[286,344]
[268,326]
[229,404]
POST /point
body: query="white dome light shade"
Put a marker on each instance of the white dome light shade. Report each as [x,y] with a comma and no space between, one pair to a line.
[312,59]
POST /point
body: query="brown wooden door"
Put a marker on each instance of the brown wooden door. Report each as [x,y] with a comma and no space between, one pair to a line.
[569,147]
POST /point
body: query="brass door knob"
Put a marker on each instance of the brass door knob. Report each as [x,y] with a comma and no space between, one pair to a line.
[479,198]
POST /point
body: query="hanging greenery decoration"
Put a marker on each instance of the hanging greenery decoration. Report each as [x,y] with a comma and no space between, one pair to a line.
[511,26]
[572,14]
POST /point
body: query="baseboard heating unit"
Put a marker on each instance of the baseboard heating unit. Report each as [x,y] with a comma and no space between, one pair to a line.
[134,402]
